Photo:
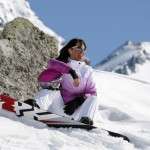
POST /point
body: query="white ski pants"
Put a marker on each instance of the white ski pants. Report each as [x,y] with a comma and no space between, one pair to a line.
[52,101]
[87,109]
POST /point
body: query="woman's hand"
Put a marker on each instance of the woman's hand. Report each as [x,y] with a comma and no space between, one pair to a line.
[71,106]
[76,82]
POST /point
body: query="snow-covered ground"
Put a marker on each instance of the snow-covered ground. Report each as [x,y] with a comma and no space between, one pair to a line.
[123,106]
[143,72]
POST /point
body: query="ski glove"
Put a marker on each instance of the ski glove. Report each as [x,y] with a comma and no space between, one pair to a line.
[71,106]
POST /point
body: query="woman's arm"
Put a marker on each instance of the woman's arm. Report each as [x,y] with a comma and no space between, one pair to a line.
[61,67]
[90,89]
[55,70]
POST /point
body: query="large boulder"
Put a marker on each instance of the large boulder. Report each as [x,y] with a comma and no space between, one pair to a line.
[0,34]
[24,52]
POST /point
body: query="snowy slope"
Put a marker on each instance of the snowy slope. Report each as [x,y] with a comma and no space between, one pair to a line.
[123,106]
[10,9]
[130,59]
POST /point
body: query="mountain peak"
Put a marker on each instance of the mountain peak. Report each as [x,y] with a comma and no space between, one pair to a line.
[11,9]
[128,42]
[126,58]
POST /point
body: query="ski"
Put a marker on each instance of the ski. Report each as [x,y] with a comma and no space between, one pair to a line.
[50,119]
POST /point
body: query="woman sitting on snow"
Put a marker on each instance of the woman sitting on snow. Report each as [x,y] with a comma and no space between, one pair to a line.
[67,84]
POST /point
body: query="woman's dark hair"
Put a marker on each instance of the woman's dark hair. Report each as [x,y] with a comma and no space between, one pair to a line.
[64,53]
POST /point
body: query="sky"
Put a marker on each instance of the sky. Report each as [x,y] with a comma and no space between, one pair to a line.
[103,24]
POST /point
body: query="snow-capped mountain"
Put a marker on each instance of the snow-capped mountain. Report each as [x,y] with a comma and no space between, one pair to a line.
[10,9]
[131,59]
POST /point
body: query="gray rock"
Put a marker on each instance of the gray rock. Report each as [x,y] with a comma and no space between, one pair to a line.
[24,52]
[0,34]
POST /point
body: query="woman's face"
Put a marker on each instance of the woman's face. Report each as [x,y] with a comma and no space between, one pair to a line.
[76,54]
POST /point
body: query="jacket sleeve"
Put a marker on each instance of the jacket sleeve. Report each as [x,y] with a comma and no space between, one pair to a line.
[61,67]
[90,89]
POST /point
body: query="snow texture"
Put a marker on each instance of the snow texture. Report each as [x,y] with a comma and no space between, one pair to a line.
[123,107]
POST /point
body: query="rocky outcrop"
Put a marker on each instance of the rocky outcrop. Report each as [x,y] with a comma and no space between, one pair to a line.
[24,51]
[0,34]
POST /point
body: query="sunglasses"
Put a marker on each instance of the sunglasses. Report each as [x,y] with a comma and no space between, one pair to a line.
[78,49]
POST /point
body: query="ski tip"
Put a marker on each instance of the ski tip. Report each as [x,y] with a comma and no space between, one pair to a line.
[119,135]
[126,139]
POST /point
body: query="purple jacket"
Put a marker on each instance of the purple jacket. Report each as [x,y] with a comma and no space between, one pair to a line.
[86,87]
[57,69]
